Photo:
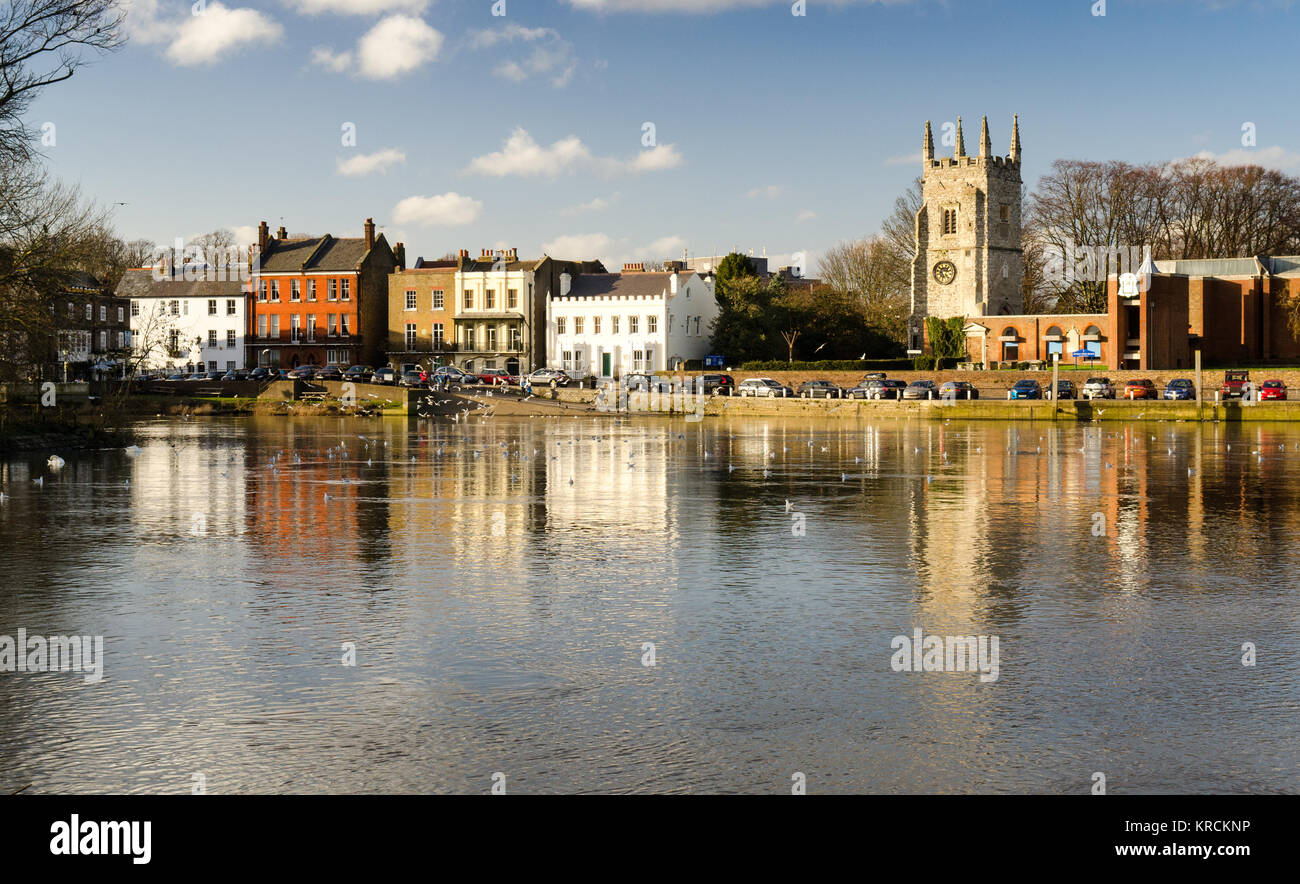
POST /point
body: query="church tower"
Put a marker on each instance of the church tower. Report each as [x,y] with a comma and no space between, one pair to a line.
[968,260]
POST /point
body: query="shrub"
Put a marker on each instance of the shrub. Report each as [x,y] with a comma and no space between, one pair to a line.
[863,365]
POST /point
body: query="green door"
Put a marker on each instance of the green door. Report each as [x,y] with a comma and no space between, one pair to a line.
[606,363]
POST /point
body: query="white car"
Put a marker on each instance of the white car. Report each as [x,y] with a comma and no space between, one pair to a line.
[763,387]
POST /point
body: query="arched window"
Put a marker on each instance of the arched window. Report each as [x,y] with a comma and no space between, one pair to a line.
[1055,342]
[1092,340]
[1010,344]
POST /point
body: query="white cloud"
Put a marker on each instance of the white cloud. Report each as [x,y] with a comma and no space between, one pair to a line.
[216,33]
[522,155]
[771,192]
[366,163]
[509,34]
[805,215]
[580,246]
[396,45]
[599,204]
[1275,157]
[554,61]
[338,62]
[443,210]
[356,7]
[700,6]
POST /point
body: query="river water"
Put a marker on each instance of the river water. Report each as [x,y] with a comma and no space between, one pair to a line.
[503,585]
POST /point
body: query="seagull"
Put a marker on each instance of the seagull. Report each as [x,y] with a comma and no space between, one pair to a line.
[844,477]
[789,506]
[3,497]
[55,463]
[39,483]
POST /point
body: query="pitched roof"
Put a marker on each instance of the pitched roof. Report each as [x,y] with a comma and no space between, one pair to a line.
[140,283]
[473,265]
[314,253]
[622,285]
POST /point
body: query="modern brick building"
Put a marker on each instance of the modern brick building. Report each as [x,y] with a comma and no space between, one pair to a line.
[321,300]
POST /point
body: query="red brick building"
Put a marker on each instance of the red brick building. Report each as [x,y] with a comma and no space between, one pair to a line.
[1234,310]
[320,300]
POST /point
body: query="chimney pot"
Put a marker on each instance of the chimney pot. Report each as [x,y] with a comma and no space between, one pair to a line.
[370,232]
[263,234]
[281,234]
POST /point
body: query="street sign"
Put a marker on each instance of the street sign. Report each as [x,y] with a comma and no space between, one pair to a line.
[714,362]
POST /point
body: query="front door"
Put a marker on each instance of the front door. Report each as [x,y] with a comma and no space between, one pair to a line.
[606,364]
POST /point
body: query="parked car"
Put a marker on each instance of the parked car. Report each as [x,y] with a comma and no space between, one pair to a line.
[176,377]
[1272,390]
[497,377]
[1065,389]
[359,374]
[763,387]
[647,382]
[302,373]
[236,374]
[1098,388]
[921,389]
[872,376]
[1025,389]
[819,389]
[878,388]
[1180,388]
[262,373]
[722,384]
[1234,380]
[386,375]
[958,390]
[549,377]
[413,378]
[329,373]
[1140,388]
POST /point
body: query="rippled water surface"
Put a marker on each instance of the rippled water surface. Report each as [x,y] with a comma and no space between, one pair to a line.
[500,580]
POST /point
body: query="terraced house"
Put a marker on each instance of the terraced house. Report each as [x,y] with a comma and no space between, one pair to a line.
[192,319]
[500,311]
[320,300]
[421,313]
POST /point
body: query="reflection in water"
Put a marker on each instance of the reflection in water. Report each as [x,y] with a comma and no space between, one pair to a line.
[500,580]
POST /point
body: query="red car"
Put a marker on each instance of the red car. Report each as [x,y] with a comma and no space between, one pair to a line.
[1140,388]
[496,377]
[1272,390]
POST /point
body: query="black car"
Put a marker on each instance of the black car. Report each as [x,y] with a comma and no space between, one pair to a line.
[360,374]
[1066,390]
[884,388]
[328,373]
[819,389]
[262,373]
[722,384]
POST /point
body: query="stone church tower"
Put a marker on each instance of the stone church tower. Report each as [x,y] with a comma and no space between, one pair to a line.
[968,258]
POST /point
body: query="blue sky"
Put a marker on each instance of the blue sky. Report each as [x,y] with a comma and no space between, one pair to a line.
[771,131]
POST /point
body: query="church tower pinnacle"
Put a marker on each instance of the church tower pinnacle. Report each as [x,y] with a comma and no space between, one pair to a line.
[986,146]
[960,150]
[927,149]
[1014,154]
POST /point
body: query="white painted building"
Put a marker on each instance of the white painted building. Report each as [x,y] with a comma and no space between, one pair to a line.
[612,324]
[184,324]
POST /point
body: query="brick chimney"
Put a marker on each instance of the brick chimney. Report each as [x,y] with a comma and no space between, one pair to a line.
[281,234]
[370,232]
[512,254]
[263,234]
[399,252]
[634,268]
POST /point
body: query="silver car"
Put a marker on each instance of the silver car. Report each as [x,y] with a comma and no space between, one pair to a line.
[1098,388]
[763,387]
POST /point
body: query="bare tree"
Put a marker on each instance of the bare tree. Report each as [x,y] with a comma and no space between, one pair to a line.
[43,42]
[868,269]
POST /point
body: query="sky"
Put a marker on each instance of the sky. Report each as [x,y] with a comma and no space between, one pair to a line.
[635,129]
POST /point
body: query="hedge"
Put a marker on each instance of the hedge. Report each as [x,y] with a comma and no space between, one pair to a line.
[830,365]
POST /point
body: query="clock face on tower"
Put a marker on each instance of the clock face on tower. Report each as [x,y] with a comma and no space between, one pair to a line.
[945,272]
